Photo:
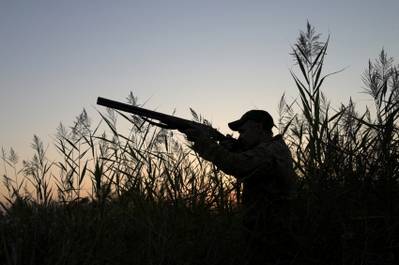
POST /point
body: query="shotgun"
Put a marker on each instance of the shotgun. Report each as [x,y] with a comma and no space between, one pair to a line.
[166,121]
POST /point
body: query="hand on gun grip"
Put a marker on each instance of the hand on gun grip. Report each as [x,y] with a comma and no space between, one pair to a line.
[229,142]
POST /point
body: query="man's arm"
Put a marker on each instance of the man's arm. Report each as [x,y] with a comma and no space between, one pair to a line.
[237,164]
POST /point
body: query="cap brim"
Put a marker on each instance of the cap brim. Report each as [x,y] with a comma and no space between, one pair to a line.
[234,125]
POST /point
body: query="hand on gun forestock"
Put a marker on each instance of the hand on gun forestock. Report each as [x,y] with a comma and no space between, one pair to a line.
[194,132]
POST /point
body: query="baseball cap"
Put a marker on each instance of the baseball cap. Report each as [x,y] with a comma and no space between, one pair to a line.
[260,116]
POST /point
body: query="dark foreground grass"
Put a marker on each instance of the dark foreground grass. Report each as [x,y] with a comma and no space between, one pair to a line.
[153,201]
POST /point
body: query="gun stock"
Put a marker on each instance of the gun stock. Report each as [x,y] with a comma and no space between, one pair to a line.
[167,121]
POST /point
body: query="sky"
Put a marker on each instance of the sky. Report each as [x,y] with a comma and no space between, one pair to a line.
[221,58]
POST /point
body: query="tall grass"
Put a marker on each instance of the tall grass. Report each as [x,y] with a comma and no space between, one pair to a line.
[348,204]
[151,200]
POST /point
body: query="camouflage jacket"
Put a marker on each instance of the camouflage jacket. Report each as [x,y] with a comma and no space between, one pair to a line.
[266,171]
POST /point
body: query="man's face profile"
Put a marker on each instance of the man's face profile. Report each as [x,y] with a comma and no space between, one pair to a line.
[250,134]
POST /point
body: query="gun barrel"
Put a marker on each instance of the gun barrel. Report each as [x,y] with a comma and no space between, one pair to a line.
[164,118]
[131,109]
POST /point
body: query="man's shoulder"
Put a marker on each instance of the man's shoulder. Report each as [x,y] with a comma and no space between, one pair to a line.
[275,141]
[276,145]
[277,138]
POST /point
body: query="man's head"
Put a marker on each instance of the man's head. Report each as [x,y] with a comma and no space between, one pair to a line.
[254,127]
[259,116]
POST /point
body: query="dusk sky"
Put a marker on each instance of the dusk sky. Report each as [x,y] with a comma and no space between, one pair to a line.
[220,58]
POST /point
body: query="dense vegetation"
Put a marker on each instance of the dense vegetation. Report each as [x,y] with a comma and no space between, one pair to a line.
[153,201]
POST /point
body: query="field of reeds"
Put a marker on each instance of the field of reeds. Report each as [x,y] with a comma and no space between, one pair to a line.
[153,201]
